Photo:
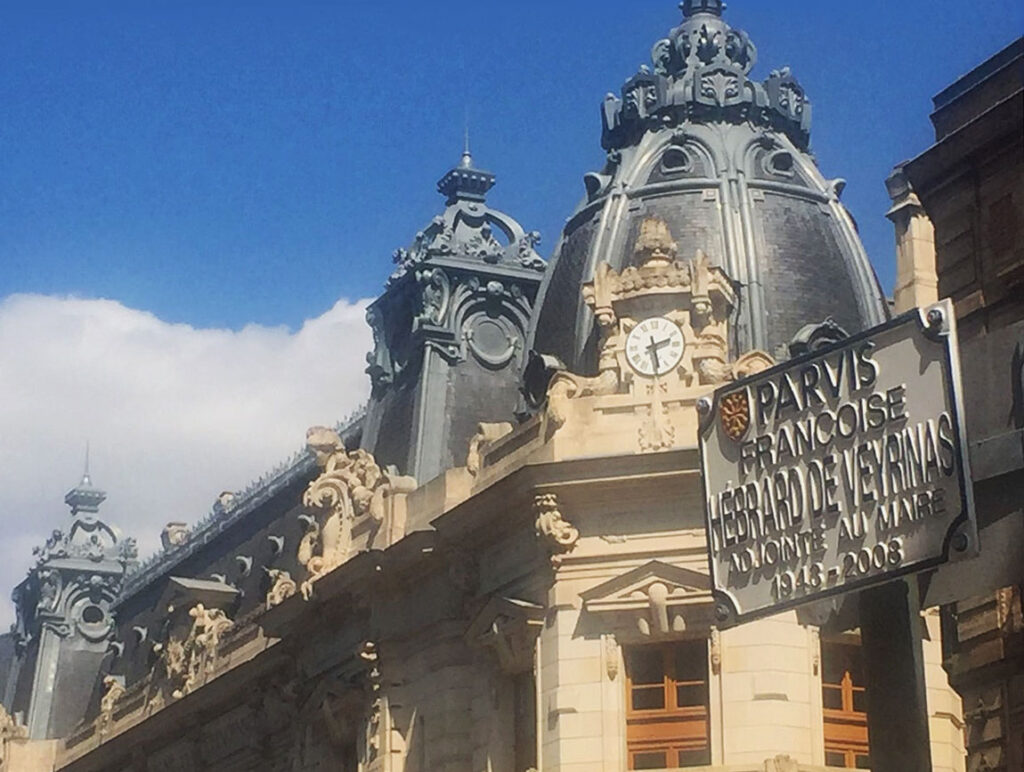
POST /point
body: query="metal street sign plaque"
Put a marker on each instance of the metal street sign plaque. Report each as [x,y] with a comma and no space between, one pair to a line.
[838,470]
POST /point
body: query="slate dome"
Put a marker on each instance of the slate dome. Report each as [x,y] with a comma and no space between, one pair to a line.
[725,161]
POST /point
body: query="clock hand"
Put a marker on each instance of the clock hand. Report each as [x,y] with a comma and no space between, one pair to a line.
[653,349]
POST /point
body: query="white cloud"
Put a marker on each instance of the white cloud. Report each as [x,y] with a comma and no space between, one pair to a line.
[174,414]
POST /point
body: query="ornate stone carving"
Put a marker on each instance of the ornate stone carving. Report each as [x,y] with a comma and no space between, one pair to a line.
[174,535]
[703,70]
[751,363]
[781,763]
[113,690]
[435,292]
[10,730]
[559,533]
[692,294]
[282,587]
[656,432]
[89,538]
[187,663]
[527,250]
[565,386]
[509,627]
[379,364]
[370,656]
[812,338]
[716,651]
[485,434]
[611,656]
[655,599]
[351,486]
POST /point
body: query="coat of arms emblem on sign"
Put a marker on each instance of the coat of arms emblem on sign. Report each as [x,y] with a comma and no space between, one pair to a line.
[734,412]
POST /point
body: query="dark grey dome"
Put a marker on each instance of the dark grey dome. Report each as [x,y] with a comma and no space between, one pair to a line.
[724,161]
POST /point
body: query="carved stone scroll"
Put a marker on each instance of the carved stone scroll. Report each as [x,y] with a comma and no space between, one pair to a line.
[350,487]
[282,587]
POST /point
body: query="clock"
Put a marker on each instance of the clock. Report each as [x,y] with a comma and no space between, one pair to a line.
[655,346]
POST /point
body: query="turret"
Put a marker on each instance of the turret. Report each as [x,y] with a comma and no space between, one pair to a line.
[64,622]
[450,330]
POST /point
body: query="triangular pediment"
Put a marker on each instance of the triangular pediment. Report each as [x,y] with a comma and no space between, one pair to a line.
[633,587]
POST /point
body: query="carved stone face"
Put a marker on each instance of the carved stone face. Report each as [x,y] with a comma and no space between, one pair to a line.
[323,442]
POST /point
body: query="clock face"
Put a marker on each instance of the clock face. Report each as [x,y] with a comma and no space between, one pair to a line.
[655,346]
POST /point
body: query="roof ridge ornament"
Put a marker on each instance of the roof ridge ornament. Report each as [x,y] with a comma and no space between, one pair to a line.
[465,182]
[701,74]
[469,229]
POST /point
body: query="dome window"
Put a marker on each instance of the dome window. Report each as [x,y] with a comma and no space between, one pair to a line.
[780,163]
[676,160]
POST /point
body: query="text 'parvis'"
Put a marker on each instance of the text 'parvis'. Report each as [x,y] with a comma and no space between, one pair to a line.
[831,450]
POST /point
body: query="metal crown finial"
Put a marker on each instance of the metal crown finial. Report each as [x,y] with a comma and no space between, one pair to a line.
[692,7]
[85,497]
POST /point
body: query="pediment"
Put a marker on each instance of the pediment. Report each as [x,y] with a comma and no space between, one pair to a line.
[632,590]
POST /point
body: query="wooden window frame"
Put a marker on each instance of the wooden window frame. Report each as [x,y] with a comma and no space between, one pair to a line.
[845,728]
[657,730]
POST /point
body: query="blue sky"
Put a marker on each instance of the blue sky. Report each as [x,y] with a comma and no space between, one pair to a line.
[197,198]
[222,163]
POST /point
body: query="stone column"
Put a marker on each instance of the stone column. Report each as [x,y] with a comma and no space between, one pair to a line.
[916,280]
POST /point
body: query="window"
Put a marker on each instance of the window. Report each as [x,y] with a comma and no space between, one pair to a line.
[846,705]
[667,706]
[525,691]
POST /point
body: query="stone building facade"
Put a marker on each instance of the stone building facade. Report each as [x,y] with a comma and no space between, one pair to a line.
[501,565]
[960,206]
